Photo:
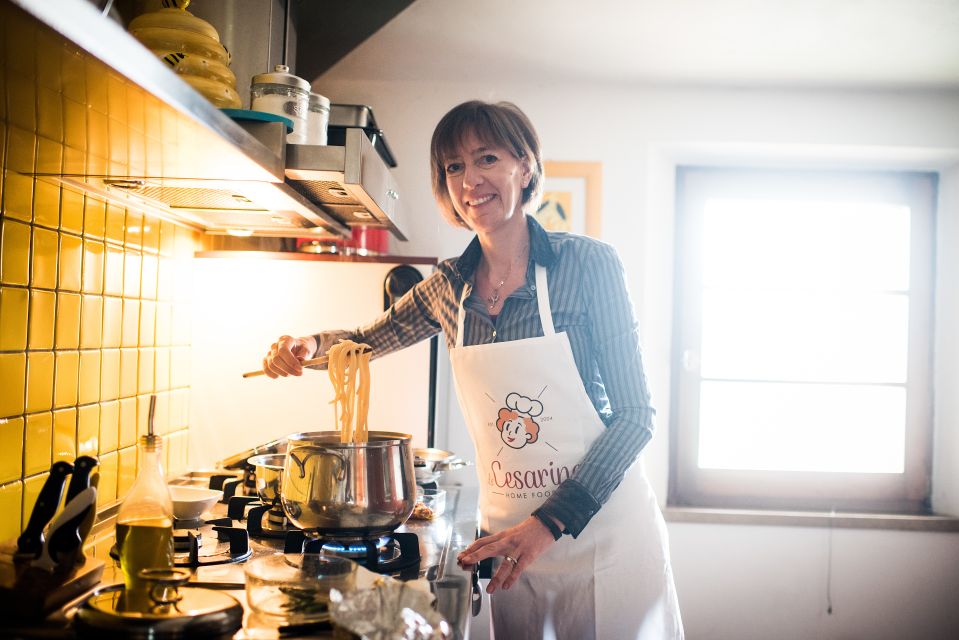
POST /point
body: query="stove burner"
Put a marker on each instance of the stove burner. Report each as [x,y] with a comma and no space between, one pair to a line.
[355,548]
[394,553]
[360,550]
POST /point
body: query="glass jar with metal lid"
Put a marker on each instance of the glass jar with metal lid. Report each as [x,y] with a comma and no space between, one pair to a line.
[319,118]
[283,94]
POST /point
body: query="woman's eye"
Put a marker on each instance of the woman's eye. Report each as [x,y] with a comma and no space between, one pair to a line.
[454,168]
[488,159]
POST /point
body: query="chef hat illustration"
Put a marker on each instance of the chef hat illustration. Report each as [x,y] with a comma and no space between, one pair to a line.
[524,405]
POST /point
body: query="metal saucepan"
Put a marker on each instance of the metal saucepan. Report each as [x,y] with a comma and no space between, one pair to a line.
[269,476]
[430,463]
[239,461]
[336,489]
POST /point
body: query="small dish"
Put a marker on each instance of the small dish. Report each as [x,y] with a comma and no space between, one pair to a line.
[296,586]
[189,503]
[434,501]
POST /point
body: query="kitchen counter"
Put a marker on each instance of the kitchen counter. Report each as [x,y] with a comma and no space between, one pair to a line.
[441,540]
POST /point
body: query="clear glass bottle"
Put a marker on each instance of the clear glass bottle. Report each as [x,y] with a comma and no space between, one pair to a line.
[145,519]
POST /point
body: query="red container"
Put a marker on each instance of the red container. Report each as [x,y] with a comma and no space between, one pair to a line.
[370,241]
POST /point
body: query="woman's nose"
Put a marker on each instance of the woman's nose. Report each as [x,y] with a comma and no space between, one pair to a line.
[471,177]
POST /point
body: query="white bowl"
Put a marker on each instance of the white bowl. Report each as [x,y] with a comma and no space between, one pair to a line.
[189,503]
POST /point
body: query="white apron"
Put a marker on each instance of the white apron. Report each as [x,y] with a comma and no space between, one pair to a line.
[532,423]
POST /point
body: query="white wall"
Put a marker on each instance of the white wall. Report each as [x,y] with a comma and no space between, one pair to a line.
[733,581]
[241,306]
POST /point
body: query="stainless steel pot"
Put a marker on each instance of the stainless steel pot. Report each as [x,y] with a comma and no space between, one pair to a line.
[347,490]
[268,468]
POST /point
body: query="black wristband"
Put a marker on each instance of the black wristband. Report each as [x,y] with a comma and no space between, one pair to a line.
[549,523]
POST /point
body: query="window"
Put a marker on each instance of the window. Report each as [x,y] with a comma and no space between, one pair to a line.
[802,352]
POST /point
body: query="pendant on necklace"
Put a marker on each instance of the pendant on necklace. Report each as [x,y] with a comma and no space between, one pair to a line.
[493,297]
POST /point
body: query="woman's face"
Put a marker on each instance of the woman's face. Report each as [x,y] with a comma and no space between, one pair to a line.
[486,184]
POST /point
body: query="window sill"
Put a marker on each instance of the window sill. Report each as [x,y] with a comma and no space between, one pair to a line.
[838,520]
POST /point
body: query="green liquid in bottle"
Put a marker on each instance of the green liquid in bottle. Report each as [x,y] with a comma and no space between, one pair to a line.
[143,544]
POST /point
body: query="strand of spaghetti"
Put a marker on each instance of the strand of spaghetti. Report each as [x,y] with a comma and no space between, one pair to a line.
[350,395]
[335,369]
[346,408]
[365,394]
[341,398]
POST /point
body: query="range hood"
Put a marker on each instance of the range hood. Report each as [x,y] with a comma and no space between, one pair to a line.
[350,183]
[135,134]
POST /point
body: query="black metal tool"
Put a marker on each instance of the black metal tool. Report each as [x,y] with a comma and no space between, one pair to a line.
[30,542]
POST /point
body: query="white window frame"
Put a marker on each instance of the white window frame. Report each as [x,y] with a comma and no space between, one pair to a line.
[689,485]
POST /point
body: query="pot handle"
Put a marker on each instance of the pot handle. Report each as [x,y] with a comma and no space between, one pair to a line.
[339,473]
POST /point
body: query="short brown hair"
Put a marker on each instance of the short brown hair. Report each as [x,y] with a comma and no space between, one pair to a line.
[502,124]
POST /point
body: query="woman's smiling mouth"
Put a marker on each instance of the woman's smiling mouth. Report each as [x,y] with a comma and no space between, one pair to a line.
[481,201]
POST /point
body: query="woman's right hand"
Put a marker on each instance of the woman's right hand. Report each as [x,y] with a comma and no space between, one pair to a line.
[287,354]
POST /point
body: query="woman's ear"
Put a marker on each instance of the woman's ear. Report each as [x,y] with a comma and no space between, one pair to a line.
[527,172]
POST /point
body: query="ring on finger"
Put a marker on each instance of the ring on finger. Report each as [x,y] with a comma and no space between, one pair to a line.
[511,559]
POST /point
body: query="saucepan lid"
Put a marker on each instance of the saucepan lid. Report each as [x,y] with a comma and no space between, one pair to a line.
[171,612]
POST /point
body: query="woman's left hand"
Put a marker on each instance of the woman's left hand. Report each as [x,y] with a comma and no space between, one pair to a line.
[518,546]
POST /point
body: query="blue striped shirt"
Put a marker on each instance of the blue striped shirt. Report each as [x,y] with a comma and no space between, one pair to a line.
[590,302]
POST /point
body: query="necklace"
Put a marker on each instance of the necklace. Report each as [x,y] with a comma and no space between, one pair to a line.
[493,297]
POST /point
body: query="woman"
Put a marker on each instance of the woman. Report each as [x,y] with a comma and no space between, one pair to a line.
[545,355]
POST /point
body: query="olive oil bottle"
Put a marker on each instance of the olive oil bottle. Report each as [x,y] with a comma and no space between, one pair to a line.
[145,520]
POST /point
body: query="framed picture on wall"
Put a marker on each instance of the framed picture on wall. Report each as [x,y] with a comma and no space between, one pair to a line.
[572,197]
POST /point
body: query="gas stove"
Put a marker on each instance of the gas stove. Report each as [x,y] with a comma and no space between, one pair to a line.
[241,527]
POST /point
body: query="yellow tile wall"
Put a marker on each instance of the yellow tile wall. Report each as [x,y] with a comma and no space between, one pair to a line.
[90,298]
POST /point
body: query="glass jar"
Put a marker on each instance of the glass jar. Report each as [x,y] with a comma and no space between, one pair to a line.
[283,94]
[318,119]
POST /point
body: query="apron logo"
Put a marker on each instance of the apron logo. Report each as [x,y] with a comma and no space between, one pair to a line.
[515,421]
